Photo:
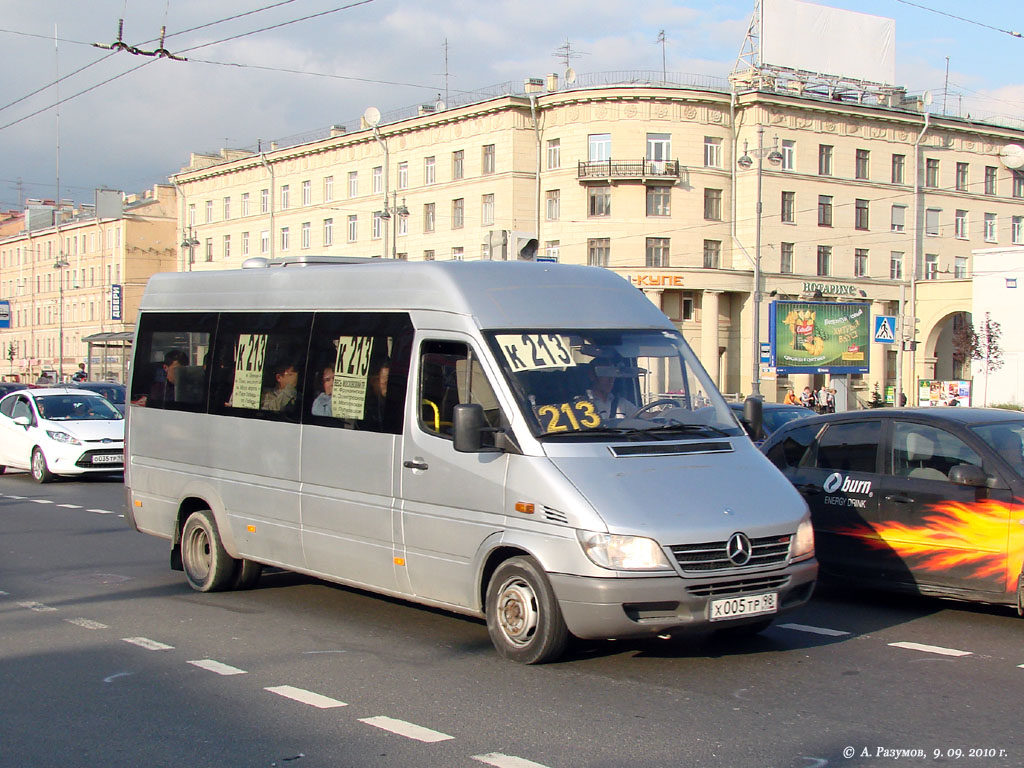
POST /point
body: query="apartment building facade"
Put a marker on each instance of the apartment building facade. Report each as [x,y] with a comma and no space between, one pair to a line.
[662,184]
[82,279]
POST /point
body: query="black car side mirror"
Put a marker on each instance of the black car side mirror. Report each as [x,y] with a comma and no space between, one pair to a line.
[968,474]
[753,418]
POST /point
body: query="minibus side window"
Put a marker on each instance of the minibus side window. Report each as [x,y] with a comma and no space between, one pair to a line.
[170,368]
[450,374]
[259,365]
[358,371]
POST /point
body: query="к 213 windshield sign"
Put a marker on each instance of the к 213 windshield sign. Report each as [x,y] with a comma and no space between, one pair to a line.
[820,337]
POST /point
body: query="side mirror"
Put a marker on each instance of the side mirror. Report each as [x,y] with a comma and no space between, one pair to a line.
[23,421]
[968,474]
[753,418]
[469,426]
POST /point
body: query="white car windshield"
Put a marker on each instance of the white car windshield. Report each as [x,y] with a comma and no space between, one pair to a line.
[76,408]
[601,383]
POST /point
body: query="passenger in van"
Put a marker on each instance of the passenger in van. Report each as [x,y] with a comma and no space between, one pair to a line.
[603,372]
[376,395]
[162,390]
[283,396]
[322,402]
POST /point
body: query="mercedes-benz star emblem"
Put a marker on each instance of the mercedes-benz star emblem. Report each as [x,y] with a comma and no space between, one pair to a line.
[739,549]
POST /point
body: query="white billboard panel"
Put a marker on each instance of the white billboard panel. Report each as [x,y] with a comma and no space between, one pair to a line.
[828,41]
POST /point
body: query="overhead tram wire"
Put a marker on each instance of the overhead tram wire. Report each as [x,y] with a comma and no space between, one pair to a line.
[1009,32]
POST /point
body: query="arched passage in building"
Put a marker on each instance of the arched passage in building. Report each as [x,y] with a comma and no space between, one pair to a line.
[946,347]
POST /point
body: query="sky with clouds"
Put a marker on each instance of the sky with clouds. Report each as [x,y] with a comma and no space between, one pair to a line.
[128,121]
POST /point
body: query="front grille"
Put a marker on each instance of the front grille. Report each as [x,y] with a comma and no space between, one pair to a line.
[740,587]
[711,556]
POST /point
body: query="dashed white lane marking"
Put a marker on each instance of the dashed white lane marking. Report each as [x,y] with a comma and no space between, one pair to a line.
[38,607]
[149,645]
[306,697]
[20,498]
[2,592]
[931,649]
[86,623]
[499,760]
[218,667]
[41,501]
[101,511]
[70,506]
[814,630]
[402,728]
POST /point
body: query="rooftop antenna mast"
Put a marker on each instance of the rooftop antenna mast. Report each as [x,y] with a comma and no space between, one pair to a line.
[446,73]
[662,39]
[566,53]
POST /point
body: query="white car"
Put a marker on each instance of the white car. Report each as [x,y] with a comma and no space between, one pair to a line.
[60,431]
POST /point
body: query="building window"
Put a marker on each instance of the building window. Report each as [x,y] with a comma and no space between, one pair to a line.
[458,213]
[657,252]
[788,154]
[191,215]
[554,154]
[713,204]
[227,208]
[990,180]
[960,267]
[789,207]
[896,265]
[1017,230]
[227,246]
[931,221]
[353,227]
[599,251]
[377,225]
[824,210]
[208,248]
[265,241]
[353,183]
[961,177]
[245,243]
[304,235]
[824,160]
[487,161]
[860,262]
[328,188]
[457,163]
[659,201]
[428,255]
[931,266]
[712,254]
[377,183]
[402,227]
[428,171]
[659,147]
[245,204]
[209,214]
[403,175]
[328,232]
[307,193]
[552,204]
[428,217]
[786,259]
[860,214]
[899,162]
[599,146]
[551,248]
[931,172]
[960,225]
[599,201]
[862,169]
[1018,184]
[458,253]
[285,196]
[712,152]
[824,260]
[285,238]
[899,218]
[990,228]
[487,210]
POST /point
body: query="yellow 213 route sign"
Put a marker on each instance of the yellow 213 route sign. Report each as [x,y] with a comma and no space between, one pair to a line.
[568,416]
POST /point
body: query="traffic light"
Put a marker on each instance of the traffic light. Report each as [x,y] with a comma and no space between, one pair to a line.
[526,246]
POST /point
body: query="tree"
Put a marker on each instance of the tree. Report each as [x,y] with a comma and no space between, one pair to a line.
[965,347]
[989,352]
[10,355]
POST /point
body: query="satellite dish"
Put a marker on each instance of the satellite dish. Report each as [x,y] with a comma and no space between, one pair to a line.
[440,106]
[1012,156]
[371,116]
[926,98]
[570,75]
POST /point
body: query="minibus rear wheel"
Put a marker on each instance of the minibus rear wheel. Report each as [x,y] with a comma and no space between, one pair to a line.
[523,617]
[208,567]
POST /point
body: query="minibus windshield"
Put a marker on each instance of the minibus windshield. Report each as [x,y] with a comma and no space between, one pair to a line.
[645,384]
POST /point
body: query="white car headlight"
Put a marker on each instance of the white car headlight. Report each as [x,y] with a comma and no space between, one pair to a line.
[63,437]
[802,546]
[623,553]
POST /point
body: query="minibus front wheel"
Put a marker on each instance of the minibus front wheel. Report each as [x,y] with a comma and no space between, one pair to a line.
[207,565]
[523,617]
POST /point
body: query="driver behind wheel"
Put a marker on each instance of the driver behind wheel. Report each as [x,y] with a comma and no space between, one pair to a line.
[609,405]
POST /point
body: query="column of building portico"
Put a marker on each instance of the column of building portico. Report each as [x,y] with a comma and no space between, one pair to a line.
[709,334]
[876,356]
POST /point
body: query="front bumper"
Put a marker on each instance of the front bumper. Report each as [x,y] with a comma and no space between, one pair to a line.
[637,607]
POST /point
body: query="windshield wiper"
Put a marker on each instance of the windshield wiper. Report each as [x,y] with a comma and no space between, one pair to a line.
[688,428]
[657,432]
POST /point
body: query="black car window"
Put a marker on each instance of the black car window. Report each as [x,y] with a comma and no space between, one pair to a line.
[850,447]
[790,450]
[926,452]
[1007,438]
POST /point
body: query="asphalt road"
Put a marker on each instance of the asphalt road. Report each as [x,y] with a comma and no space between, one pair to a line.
[107,658]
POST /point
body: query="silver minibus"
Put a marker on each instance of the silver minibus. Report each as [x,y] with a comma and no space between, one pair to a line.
[534,444]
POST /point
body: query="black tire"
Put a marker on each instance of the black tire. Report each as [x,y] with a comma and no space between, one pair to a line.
[208,567]
[742,631]
[247,574]
[523,617]
[40,471]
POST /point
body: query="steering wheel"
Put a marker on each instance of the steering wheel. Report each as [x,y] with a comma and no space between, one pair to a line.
[656,407]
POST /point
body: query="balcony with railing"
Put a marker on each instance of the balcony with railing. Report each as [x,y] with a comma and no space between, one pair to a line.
[667,171]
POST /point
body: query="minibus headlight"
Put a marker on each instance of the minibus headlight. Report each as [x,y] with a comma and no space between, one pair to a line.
[623,553]
[802,547]
[62,437]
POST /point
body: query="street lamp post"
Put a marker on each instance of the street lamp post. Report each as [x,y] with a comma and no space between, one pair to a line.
[60,265]
[745,162]
[397,211]
[188,244]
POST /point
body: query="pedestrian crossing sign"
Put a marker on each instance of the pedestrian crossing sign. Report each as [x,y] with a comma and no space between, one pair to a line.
[885,329]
